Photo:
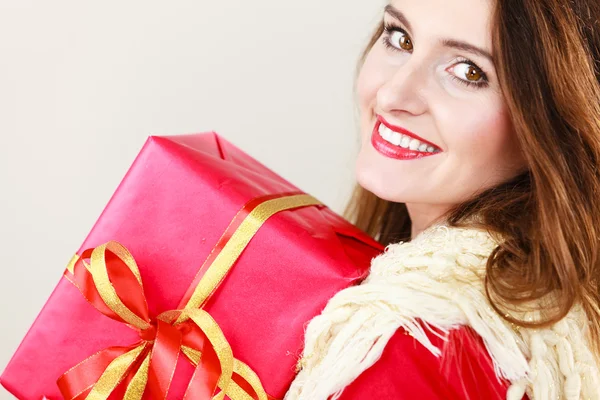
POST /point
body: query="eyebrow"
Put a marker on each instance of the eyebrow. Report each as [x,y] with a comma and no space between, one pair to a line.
[456,44]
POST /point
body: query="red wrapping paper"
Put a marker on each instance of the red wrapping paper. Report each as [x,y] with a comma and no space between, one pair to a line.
[170,210]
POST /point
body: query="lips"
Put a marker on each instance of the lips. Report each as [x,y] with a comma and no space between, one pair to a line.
[386,141]
[406,132]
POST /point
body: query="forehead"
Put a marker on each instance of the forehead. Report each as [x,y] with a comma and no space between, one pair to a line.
[432,20]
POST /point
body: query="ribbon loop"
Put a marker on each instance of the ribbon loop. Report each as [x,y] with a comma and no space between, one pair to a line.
[99,271]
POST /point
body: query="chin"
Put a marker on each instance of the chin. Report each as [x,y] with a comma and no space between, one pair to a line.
[370,179]
[375,178]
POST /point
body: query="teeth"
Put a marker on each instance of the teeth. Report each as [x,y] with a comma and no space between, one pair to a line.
[407,142]
[385,132]
[414,144]
[389,134]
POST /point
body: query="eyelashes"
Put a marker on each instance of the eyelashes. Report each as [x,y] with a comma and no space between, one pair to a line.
[389,29]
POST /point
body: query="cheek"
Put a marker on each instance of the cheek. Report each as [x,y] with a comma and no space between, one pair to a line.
[372,76]
[488,144]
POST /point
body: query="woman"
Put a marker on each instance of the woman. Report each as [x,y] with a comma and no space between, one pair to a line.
[478,168]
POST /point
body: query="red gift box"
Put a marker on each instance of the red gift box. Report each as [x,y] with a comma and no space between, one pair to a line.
[169,239]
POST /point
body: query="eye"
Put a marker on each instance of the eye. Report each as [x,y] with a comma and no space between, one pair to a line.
[473,74]
[396,39]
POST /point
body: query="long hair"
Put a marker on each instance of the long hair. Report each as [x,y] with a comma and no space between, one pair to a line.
[548,64]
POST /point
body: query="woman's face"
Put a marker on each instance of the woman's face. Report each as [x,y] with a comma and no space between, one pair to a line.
[445,94]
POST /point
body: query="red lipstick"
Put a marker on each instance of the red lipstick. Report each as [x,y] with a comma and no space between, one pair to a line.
[393,151]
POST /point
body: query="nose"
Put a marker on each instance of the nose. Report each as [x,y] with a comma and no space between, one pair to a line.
[404,89]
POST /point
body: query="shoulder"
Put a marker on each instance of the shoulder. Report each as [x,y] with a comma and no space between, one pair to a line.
[406,369]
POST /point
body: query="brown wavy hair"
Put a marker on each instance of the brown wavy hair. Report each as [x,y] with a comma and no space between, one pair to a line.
[548,62]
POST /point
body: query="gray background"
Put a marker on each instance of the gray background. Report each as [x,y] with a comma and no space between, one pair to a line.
[83,83]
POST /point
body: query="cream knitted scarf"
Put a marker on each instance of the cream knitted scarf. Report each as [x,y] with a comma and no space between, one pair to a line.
[437,279]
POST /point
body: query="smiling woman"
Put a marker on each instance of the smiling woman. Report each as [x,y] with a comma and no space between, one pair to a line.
[479,170]
[419,78]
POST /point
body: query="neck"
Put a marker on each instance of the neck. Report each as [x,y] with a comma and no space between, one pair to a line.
[423,216]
